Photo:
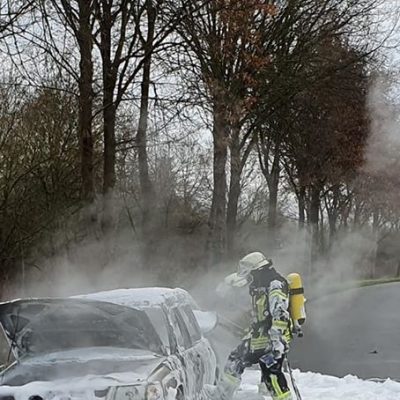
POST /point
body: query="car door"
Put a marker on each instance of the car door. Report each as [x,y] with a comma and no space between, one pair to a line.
[205,356]
[186,353]
[196,358]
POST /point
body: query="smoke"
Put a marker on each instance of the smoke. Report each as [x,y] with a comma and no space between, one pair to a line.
[105,263]
[100,263]
[384,140]
[343,326]
[60,266]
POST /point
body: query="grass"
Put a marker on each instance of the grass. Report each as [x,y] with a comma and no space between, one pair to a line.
[373,282]
[342,287]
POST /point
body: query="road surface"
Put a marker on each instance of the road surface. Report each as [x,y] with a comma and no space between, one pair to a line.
[355,332]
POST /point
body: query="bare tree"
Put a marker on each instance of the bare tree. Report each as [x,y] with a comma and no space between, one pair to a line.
[39,172]
[328,134]
[141,136]
[297,40]
[224,38]
[130,34]
[10,12]
[77,16]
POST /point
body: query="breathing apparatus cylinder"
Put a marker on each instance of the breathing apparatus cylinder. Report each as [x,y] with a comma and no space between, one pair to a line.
[297,302]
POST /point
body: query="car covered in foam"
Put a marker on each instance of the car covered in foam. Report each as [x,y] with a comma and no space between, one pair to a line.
[122,344]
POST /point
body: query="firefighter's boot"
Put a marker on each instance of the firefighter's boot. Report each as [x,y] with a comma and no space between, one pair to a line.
[224,390]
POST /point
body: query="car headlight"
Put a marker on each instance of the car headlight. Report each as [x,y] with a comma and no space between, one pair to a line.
[126,392]
[154,391]
[101,393]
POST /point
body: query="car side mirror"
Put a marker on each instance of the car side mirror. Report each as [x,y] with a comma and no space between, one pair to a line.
[207,320]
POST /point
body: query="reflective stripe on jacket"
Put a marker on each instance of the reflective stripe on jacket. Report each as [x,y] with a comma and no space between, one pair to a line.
[271,319]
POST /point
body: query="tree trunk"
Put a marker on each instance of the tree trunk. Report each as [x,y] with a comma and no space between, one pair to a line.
[375,232]
[272,204]
[109,143]
[333,215]
[109,117]
[146,186]
[357,214]
[273,184]
[321,232]
[234,191]
[85,42]
[217,221]
[375,221]
[302,206]
[313,216]
[332,219]
[108,219]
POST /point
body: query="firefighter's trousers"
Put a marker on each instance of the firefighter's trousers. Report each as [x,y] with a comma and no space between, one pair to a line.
[273,377]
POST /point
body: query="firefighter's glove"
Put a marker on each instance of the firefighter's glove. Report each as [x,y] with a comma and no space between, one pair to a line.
[269,360]
[279,347]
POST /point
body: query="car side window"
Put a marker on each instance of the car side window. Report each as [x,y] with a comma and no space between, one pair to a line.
[191,323]
[182,335]
[160,323]
[6,356]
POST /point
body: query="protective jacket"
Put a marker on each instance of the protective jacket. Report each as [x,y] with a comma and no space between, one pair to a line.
[268,339]
[271,325]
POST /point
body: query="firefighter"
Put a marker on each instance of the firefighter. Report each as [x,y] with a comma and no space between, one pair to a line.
[270,333]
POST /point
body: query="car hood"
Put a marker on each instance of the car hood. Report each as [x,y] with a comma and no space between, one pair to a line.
[98,366]
[37,327]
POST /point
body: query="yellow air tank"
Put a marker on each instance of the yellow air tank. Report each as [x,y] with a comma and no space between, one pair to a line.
[297,301]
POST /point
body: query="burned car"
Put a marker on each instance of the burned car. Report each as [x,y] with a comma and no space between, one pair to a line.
[128,343]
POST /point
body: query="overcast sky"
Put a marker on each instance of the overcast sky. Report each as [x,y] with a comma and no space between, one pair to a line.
[390,32]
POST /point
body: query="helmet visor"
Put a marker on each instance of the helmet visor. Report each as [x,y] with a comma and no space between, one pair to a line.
[237,281]
[245,268]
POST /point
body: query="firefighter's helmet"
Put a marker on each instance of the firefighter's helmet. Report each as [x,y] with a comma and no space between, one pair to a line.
[250,262]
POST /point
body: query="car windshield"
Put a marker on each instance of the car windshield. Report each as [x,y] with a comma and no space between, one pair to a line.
[44,328]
